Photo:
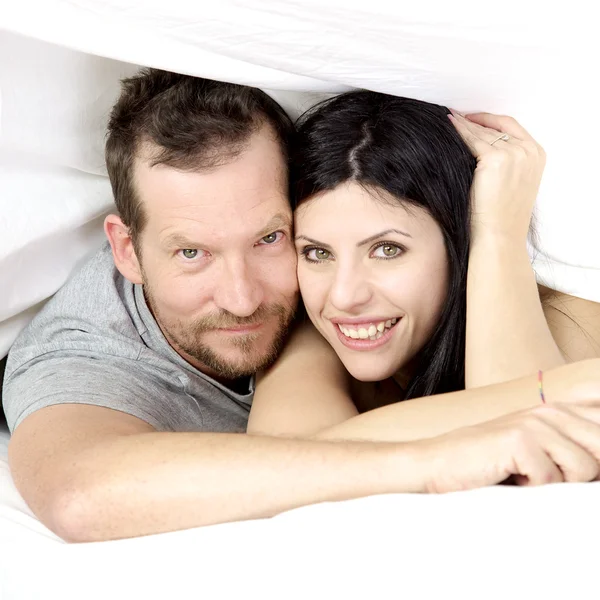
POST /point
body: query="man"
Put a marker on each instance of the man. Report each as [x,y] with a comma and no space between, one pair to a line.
[129,394]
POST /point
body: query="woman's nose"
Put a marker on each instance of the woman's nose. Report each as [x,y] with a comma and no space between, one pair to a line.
[349,289]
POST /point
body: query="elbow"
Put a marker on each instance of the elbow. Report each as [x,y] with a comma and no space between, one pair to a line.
[70,509]
[76,518]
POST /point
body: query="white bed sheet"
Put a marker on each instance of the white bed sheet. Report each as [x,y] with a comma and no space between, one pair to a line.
[489,543]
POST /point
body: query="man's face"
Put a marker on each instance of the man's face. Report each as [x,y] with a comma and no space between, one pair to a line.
[218,260]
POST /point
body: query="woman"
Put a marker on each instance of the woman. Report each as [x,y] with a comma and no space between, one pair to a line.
[384,234]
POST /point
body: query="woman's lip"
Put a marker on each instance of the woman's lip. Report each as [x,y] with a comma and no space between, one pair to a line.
[365,345]
[362,320]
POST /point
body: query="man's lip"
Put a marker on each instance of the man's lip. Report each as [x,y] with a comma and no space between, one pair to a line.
[240,329]
[361,320]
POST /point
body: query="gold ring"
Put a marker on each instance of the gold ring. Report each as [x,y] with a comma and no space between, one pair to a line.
[504,137]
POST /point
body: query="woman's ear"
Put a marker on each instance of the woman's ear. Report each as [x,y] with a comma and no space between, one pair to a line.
[123,250]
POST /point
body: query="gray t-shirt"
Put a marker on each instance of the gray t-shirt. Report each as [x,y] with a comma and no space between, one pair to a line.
[96,342]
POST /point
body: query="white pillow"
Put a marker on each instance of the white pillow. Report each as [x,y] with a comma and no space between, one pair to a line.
[54,191]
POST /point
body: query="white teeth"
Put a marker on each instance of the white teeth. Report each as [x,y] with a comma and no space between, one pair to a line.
[372,332]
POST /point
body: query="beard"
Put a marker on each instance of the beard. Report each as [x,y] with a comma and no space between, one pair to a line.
[187,338]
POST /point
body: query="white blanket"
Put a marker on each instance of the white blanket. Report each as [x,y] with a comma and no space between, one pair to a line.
[528,59]
[490,543]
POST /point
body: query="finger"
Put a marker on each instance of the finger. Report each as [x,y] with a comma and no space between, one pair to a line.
[560,443]
[534,466]
[475,144]
[490,136]
[581,424]
[500,123]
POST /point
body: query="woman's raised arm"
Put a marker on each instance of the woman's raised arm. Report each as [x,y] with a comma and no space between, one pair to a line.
[510,333]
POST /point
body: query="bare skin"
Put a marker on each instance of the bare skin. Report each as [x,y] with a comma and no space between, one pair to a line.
[504,305]
[91,473]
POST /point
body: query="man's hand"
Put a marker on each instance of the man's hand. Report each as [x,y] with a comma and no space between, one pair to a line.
[92,473]
[547,444]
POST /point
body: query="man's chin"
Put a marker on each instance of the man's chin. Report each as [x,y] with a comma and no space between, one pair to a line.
[231,364]
[226,356]
[240,366]
[231,372]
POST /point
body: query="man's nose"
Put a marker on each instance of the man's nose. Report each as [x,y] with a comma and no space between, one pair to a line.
[238,290]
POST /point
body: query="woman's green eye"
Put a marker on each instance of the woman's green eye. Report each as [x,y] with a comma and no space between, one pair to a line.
[190,253]
[317,254]
[387,251]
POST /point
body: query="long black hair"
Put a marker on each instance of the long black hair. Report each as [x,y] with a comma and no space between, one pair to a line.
[411,150]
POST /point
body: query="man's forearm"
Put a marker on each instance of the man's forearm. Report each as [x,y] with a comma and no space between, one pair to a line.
[156,482]
[507,332]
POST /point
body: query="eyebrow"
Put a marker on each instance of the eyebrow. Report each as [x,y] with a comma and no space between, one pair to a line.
[180,241]
[371,238]
[278,221]
[381,234]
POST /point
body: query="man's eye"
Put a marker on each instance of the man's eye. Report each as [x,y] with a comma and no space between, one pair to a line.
[387,251]
[189,253]
[272,237]
[316,254]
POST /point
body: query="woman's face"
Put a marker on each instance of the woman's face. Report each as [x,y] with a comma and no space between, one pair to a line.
[373,275]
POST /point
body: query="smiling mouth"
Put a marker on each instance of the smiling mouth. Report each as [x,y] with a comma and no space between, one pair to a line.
[367,331]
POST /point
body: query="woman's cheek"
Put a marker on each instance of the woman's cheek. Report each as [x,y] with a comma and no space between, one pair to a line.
[311,289]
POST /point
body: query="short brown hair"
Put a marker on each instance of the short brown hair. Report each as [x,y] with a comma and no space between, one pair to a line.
[194,124]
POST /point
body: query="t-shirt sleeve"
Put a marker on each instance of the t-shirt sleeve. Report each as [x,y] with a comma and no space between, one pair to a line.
[121,384]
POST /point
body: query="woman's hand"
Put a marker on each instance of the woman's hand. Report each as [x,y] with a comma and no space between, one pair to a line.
[508,174]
